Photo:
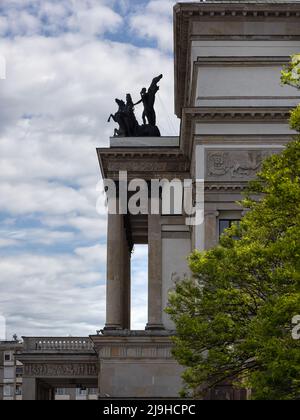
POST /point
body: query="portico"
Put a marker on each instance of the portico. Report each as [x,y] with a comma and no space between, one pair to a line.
[127,230]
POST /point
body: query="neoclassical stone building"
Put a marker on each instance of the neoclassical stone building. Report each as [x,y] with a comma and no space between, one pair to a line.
[233,112]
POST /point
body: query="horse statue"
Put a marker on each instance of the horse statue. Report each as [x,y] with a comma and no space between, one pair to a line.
[125,116]
[119,118]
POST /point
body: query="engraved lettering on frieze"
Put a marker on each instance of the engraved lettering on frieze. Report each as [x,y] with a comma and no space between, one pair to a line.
[235,164]
[49,370]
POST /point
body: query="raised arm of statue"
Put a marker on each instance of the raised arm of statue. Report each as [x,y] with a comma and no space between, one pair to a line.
[153,87]
[139,102]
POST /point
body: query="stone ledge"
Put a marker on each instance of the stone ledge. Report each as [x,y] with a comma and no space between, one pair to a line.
[134,333]
[134,347]
[144,142]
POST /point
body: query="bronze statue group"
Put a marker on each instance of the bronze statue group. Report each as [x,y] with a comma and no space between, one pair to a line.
[125,117]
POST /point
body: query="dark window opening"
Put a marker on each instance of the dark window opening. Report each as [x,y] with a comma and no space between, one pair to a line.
[226,224]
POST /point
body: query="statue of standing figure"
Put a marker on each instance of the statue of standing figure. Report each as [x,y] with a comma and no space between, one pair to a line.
[148,100]
[125,117]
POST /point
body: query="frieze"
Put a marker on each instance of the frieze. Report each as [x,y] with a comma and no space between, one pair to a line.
[130,351]
[146,166]
[60,370]
[235,164]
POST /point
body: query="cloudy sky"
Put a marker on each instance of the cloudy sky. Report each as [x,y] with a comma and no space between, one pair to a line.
[66,61]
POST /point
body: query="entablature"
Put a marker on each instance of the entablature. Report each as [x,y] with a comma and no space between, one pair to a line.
[143,163]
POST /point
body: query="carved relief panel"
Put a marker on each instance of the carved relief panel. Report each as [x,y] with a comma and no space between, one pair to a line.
[233,165]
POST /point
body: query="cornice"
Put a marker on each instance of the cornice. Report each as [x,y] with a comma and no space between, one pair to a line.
[210,187]
[239,9]
[186,13]
[246,61]
[194,115]
[238,113]
[141,163]
[133,152]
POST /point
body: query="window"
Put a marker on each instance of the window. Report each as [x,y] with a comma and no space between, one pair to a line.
[93,391]
[18,390]
[7,390]
[9,372]
[60,391]
[81,391]
[226,224]
[19,372]
[7,356]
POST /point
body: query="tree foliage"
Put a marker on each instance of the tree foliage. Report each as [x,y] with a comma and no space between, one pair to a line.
[290,75]
[234,317]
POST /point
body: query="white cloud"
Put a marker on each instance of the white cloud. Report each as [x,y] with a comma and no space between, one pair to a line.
[92,228]
[35,236]
[42,292]
[41,197]
[96,253]
[155,22]
[33,17]
[94,20]
[5,242]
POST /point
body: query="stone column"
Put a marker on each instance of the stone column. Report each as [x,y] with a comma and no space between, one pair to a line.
[29,389]
[114,303]
[154,274]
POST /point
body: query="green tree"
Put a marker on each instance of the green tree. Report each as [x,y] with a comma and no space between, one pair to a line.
[234,317]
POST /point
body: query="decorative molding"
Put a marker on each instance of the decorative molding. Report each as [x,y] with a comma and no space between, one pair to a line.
[250,8]
[193,115]
[144,166]
[135,351]
[225,187]
[240,113]
[141,164]
[247,61]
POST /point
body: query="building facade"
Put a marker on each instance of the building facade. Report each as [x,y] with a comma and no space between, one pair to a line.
[11,371]
[233,112]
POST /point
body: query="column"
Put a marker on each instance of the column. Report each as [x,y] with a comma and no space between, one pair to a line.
[211,231]
[199,229]
[29,389]
[154,274]
[114,285]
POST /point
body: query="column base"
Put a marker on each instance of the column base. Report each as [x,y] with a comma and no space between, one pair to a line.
[112,328]
[154,327]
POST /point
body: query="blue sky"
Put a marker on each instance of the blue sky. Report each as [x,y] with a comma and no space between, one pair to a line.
[66,61]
